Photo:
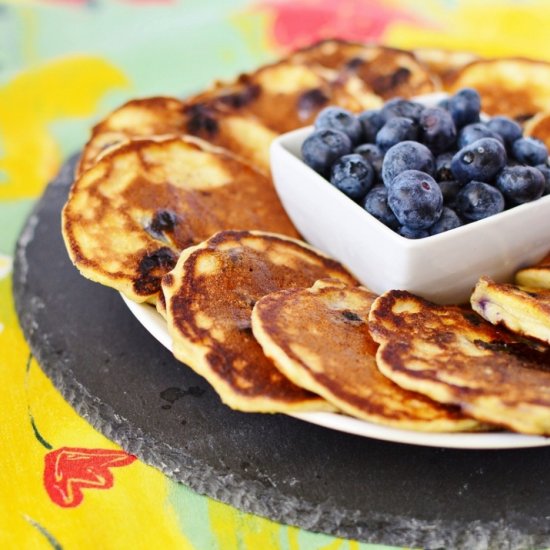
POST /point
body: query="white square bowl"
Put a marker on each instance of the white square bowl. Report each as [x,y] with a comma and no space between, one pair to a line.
[443,268]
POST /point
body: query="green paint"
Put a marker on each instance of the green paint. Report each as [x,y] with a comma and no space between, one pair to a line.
[12,218]
[43,531]
[189,45]
[192,512]
[37,434]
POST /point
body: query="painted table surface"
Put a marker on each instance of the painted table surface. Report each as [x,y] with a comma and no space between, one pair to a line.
[64,64]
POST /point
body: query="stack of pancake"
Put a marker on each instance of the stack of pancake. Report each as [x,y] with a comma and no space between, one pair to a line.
[173,204]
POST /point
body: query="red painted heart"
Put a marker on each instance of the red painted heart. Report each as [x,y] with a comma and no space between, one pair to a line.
[68,470]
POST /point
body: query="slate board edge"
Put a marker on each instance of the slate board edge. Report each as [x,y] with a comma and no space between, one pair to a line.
[228,487]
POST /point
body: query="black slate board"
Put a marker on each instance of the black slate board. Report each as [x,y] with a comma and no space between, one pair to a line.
[130,388]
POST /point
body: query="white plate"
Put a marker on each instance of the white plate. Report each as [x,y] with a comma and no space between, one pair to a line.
[156,325]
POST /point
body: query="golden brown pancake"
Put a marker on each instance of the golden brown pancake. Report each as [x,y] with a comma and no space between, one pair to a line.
[384,71]
[209,299]
[319,339]
[539,127]
[443,63]
[522,310]
[129,216]
[536,276]
[514,87]
[284,96]
[246,137]
[150,116]
[454,356]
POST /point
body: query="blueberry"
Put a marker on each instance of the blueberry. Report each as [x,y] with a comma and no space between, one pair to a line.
[464,107]
[411,233]
[507,128]
[336,118]
[530,151]
[473,132]
[480,160]
[437,129]
[376,204]
[395,130]
[353,175]
[371,121]
[407,155]
[323,147]
[450,190]
[444,103]
[448,220]
[478,200]
[399,107]
[443,167]
[372,153]
[545,171]
[415,199]
[520,184]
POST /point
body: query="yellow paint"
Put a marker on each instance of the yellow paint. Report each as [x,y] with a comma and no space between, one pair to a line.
[5,265]
[66,87]
[129,515]
[517,28]
[222,523]
[254,25]
[334,545]
[240,531]
[293,542]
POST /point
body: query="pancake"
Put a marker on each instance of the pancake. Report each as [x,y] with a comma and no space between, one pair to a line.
[152,117]
[536,276]
[443,63]
[209,299]
[244,136]
[539,127]
[137,118]
[522,310]
[518,88]
[454,356]
[319,339]
[385,72]
[285,95]
[128,217]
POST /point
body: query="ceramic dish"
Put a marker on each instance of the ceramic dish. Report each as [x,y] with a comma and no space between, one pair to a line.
[443,268]
[156,325]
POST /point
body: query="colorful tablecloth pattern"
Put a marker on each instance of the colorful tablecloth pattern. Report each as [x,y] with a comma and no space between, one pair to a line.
[64,64]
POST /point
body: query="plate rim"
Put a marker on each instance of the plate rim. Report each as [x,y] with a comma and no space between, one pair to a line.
[154,323]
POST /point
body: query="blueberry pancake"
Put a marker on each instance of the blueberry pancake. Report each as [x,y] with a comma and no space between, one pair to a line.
[129,216]
[453,356]
[209,299]
[443,63]
[137,118]
[383,71]
[246,137]
[536,276]
[285,95]
[319,338]
[515,87]
[522,310]
[539,127]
